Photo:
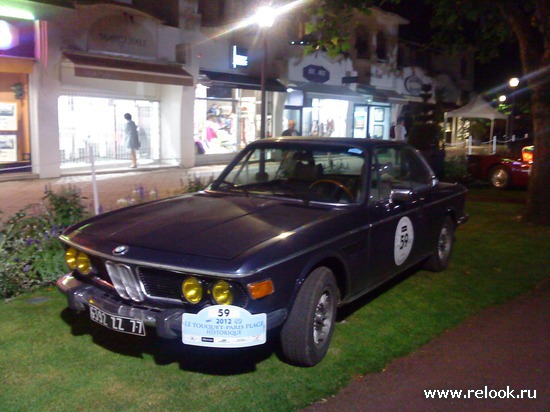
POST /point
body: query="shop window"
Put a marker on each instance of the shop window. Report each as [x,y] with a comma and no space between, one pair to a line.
[98,123]
[14,123]
[325,118]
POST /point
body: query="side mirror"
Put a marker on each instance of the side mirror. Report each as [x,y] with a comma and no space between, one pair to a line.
[400,195]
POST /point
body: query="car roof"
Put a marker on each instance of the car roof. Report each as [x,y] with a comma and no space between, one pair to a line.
[328,141]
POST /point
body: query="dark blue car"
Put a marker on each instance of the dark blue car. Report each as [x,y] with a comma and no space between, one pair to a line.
[292,229]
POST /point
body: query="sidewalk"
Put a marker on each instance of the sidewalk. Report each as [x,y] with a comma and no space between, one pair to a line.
[19,193]
[501,351]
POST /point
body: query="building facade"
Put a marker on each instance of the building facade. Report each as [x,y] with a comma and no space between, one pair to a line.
[195,80]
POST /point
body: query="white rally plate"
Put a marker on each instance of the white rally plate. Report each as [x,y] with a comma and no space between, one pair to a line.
[224,326]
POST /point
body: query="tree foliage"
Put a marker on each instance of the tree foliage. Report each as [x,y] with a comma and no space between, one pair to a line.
[486,25]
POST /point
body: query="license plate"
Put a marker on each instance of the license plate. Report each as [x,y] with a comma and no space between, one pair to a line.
[224,327]
[117,323]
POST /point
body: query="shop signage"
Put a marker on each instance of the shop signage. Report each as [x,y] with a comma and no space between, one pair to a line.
[413,85]
[239,56]
[316,74]
[122,34]
[16,38]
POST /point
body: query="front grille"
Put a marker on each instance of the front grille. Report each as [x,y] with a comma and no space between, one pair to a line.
[125,281]
[161,283]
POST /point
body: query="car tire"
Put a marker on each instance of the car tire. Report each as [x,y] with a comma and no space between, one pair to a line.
[441,256]
[499,177]
[306,334]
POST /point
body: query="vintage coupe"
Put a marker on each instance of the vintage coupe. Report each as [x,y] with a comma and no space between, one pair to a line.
[502,170]
[290,230]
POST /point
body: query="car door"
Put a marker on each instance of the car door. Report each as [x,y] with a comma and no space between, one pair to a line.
[396,210]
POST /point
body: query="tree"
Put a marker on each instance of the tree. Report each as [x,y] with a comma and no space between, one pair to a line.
[485,25]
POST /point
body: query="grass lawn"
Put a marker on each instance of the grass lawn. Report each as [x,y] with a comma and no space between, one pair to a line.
[54,359]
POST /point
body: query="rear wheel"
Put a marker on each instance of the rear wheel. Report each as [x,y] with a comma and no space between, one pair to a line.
[441,256]
[306,334]
[499,177]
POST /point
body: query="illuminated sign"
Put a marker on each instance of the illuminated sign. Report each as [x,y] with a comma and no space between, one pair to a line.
[16,38]
[9,36]
[239,57]
[316,74]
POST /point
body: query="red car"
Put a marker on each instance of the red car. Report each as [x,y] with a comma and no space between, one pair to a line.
[502,170]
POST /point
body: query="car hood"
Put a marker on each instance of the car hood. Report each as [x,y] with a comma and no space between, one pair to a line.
[206,225]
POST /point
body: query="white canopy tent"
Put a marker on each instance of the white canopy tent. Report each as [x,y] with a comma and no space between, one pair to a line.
[476,109]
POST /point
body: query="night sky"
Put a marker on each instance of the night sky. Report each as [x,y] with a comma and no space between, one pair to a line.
[488,75]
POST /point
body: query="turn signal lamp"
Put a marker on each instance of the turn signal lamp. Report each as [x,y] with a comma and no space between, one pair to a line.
[222,294]
[260,289]
[83,264]
[70,257]
[192,290]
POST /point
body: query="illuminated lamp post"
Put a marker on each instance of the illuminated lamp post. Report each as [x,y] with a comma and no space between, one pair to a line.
[265,17]
[513,83]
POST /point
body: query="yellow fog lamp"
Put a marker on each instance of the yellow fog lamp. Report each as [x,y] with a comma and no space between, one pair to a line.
[192,290]
[221,292]
[83,264]
[70,257]
[260,289]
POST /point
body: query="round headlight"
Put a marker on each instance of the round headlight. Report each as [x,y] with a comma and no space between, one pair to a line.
[70,257]
[221,292]
[192,290]
[83,263]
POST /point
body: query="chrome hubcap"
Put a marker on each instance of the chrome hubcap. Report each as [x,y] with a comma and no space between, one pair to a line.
[444,244]
[322,319]
[500,178]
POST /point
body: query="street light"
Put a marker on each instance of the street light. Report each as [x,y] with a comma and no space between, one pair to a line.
[502,98]
[265,17]
[513,83]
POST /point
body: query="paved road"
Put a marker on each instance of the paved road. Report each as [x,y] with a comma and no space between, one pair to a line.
[502,349]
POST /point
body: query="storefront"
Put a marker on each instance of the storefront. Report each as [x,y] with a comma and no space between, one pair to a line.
[94,63]
[227,112]
[319,102]
[17,48]
[117,70]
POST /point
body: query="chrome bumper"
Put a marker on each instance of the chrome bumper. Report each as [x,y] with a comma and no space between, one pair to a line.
[167,322]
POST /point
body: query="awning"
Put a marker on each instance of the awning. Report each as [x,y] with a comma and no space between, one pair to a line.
[381,95]
[123,68]
[239,81]
[326,91]
[394,97]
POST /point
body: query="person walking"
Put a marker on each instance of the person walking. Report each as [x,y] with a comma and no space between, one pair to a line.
[400,130]
[291,131]
[131,138]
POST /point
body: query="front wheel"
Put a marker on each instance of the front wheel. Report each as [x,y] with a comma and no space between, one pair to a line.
[499,177]
[306,334]
[441,256]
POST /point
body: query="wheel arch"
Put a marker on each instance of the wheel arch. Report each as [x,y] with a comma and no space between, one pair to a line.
[339,270]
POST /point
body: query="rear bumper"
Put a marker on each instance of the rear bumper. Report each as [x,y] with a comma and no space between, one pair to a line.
[167,322]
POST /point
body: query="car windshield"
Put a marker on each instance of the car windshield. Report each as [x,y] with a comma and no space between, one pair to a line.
[329,174]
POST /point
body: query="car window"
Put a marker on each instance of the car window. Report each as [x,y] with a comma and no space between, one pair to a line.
[397,168]
[322,174]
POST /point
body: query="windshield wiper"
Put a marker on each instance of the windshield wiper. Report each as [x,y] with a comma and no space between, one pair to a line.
[233,186]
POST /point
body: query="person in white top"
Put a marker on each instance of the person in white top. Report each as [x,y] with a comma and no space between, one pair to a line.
[400,131]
